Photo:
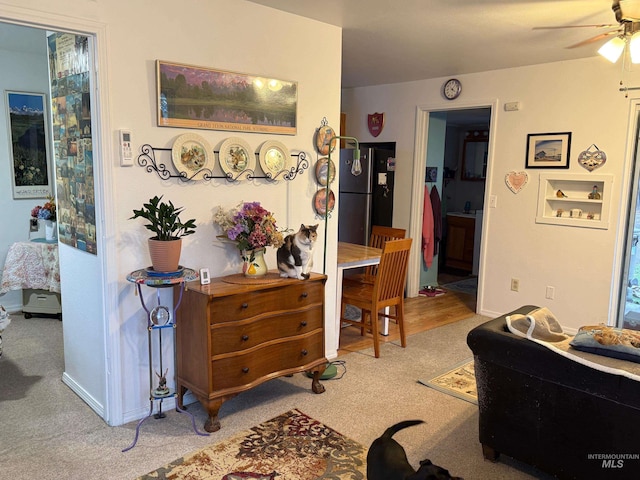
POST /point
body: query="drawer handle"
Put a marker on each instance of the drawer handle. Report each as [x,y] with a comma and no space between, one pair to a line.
[305,294]
[303,323]
[245,338]
[245,369]
[245,305]
[304,352]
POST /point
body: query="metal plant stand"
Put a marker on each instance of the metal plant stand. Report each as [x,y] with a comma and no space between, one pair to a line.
[160,318]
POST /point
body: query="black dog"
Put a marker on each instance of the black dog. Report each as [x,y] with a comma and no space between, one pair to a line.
[387,459]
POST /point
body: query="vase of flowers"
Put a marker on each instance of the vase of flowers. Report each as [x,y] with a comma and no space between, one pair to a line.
[251,228]
[46,213]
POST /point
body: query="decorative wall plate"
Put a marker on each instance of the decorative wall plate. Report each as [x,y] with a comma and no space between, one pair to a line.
[322,166]
[516,180]
[323,139]
[192,156]
[274,157]
[592,158]
[319,201]
[236,157]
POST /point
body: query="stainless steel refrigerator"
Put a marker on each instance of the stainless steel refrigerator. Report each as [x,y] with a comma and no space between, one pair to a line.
[365,199]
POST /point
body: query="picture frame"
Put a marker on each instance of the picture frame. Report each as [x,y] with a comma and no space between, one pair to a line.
[29,144]
[548,150]
[189,96]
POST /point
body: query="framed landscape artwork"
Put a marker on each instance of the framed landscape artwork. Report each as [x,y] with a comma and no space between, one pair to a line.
[548,150]
[29,145]
[204,98]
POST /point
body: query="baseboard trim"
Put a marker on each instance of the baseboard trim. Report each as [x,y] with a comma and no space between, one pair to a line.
[83,394]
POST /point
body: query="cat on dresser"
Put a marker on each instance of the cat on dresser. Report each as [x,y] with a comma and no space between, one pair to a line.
[295,256]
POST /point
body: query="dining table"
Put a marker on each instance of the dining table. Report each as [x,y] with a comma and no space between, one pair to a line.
[352,255]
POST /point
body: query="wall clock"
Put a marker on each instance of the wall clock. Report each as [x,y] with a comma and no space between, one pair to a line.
[452,89]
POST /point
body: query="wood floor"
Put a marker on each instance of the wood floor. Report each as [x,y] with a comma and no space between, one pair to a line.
[421,313]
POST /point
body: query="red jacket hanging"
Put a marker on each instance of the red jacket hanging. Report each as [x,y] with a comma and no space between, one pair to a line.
[428,237]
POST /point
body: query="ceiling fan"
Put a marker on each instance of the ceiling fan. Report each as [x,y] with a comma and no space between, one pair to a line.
[626,32]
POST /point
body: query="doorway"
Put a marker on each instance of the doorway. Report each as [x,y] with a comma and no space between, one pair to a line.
[463,190]
[440,145]
[86,315]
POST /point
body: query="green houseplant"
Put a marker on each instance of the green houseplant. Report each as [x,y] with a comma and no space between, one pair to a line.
[164,221]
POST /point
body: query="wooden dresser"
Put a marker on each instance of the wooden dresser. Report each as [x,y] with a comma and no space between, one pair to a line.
[231,337]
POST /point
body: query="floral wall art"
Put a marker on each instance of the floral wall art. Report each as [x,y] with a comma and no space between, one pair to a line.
[72,141]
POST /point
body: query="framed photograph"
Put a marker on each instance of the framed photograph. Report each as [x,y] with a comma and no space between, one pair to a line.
[29,145]
[200,97]
[548,150]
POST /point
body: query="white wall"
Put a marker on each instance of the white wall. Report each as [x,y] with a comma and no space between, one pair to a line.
[24,69]
[228,35]
[579,96]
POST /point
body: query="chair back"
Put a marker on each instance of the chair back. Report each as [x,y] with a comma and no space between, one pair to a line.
[380,235]
[392,271]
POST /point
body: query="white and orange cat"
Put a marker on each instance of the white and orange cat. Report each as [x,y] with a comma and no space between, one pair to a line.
[295,256]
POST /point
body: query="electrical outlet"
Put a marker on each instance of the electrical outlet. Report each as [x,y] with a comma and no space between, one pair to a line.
[551,292]
[515,285]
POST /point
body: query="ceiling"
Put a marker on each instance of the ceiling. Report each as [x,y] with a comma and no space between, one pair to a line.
[387,41]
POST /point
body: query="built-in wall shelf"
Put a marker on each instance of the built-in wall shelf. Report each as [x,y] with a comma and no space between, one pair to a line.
[574,200]
[147,159]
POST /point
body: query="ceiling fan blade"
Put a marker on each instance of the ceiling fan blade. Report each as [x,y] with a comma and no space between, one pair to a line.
[594,39]
[601,25]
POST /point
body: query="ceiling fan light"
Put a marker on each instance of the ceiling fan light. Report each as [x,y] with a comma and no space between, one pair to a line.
[613,49]
[634,48]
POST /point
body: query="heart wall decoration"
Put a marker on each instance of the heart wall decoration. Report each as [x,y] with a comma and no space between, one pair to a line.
[516,180]
[592,158]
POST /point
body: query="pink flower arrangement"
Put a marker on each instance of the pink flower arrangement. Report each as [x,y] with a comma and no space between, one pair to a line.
[249,225]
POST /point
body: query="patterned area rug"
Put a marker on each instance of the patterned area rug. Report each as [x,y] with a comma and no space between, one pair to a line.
[459,381]
[291,446]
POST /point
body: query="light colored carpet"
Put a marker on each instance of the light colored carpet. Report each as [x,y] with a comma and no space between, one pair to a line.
[458,381]
[292,446]
[47,432]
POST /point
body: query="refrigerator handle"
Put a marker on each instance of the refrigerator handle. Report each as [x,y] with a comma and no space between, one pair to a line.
[367,218]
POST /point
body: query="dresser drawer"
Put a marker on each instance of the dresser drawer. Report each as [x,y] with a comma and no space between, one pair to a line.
[237,307]
[244,369]
[232,337]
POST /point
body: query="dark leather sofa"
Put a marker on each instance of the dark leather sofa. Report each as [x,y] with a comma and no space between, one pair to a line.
[551,412]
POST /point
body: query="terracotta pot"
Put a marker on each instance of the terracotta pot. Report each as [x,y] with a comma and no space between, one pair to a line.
[165,255]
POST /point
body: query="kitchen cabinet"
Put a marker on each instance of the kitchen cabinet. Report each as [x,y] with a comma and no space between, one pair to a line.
[460,241]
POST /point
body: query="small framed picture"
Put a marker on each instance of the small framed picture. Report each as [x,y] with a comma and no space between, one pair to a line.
[548,150]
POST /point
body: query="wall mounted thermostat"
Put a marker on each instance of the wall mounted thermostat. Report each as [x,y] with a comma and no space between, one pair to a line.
[204,276]
[126,155]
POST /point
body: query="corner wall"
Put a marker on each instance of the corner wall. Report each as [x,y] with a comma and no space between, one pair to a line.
[223,34]
[579,96]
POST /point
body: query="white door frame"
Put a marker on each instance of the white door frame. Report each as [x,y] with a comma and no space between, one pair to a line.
[419,165]
[112,412]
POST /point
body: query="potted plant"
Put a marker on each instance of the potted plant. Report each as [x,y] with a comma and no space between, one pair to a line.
[164,221]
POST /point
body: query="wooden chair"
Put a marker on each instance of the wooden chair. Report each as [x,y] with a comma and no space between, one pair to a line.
[387,290]
[379,235]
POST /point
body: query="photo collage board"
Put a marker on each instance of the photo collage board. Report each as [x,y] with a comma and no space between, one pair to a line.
[69,66]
